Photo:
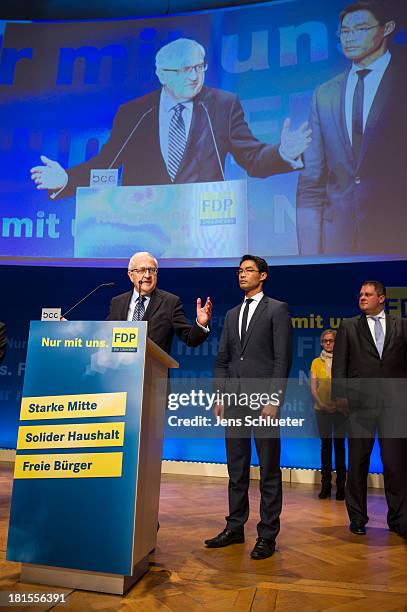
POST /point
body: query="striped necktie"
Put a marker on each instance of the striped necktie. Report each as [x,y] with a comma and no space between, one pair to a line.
[139,309]
[176,141]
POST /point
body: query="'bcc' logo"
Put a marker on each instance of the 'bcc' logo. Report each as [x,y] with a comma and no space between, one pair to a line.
[124,339]
[104,178]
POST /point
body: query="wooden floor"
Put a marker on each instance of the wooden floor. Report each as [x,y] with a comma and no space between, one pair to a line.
[318,564]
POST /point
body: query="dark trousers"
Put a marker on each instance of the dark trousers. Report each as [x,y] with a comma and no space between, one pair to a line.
[238,452]
[332,427]
[393,452]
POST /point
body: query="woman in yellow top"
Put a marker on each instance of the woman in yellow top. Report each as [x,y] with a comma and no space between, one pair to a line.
[331,424]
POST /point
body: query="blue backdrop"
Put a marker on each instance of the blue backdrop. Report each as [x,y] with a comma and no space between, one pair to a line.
[60,86]
[329,291]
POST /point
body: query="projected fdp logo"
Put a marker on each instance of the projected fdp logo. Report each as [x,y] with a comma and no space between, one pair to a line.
[124,339]
[397,301]
[218,208]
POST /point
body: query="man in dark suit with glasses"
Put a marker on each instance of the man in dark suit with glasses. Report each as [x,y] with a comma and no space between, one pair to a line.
[254,357]
[351,193]
[163,310]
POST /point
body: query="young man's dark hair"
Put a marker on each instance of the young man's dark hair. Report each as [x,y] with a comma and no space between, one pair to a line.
[378,285]
[381,10]
[259,261]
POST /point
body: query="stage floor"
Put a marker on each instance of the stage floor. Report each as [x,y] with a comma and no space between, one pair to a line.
[318,565]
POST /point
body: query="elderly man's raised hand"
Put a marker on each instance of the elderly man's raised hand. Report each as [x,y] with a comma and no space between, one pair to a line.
[203,313]
[49,176]
[294,142]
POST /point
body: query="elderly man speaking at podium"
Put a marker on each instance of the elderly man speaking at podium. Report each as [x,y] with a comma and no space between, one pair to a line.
[163,310]
[181,133]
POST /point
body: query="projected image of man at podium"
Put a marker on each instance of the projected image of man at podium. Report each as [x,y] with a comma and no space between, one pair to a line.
[163,310]
[180,133]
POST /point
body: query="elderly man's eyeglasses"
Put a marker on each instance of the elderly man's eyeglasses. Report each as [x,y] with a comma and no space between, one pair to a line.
[144,270]
[199,68]
[357,31]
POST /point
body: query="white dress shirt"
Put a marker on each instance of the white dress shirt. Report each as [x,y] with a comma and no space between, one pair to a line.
[371,323]
[371,85]
[252,307]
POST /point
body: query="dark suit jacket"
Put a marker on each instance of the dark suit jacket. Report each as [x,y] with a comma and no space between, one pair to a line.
[165,316]
[355,205]
[265,355]
[3,341]
[358,372]
[141,159]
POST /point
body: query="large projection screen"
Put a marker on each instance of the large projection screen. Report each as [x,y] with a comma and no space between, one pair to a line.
[86,95]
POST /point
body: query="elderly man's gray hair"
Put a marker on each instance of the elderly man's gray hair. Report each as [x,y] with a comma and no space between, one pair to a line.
[137,255]
[173,53]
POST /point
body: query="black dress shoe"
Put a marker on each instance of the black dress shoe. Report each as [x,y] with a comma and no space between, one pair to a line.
[264,548]
[340,493]
[398,532]
[225,538]
[325,491]
[357,528]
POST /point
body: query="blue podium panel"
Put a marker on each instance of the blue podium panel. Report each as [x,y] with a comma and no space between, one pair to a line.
[73,501]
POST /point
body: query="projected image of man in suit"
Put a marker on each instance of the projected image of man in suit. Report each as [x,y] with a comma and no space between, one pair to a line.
[180,133]
[351,195]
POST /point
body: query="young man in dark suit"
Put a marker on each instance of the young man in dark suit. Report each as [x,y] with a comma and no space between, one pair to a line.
[351,193]
[254,357]
[163,310]
[369,374]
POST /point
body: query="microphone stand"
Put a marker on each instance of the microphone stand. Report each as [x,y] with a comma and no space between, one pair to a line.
[86,297]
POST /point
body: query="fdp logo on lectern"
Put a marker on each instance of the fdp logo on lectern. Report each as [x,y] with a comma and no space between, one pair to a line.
[217,208]
[124,339]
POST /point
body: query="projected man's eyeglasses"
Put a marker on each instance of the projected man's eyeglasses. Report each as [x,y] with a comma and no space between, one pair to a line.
[357,31]
[199,68]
